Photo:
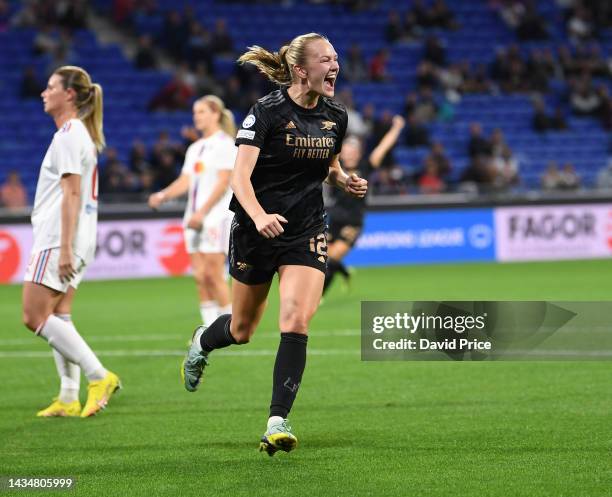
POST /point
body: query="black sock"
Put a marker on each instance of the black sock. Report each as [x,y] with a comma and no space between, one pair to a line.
[288,370]
[343,270]
[332,268]
[217,335]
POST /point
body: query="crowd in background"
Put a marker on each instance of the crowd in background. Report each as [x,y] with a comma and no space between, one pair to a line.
[439,86]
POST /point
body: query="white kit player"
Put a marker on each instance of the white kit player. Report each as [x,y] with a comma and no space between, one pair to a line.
[64,219]
[206,176]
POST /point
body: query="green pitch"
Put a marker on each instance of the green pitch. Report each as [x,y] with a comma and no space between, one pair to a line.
[396,428]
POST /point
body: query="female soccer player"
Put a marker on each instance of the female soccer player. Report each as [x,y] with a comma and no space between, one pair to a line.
[64,219]
[287,146]
[346,213]
[206,175]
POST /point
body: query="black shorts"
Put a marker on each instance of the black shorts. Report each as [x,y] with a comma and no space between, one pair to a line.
[342,229]
[253,259]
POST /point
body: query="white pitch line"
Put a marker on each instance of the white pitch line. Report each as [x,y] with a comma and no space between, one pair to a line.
[31,354]
[177,336]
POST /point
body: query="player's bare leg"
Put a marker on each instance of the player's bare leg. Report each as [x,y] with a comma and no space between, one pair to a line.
[300,293]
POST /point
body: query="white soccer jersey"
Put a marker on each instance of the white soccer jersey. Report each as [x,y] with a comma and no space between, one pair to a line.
[71,151]
[203,160]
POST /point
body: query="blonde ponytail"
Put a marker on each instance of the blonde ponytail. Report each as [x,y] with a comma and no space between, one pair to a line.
[88,101]
[278,66]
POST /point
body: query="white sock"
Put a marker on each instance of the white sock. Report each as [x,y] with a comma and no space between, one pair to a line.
[226,309]
[67,341]
[69,372]
[209,310]
[274,420]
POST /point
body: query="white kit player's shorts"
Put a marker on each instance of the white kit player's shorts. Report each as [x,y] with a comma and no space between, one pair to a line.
[213,238]
[43,269]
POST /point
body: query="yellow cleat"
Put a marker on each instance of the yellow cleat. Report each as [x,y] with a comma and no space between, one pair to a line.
[59,409]
[99,393]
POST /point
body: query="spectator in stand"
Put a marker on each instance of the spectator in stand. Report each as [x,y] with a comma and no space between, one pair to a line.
[605,113]
[498,143]
[479,175]
[438,156]
[430,181]
[165,145]
[115,178]
[604,177]
[394,30]
[584,100]
[531,25]
[199,46]
[543,122]
[452,82]
[13,195]
[175,35]
[506,169]
[434,51]
[426,108]
[31,87]
[205,83]
[356,125]
[478,145]
[389,180]
[378,66]
[46,40]
[175,95]
[476,81]
[138,157]
[411,30]
[234,96]
[551,179]
[426,75]
[441,17]
[72,14]
[145,56]
[166,171]
[222,42]
[354,67]
[420,14]
[580,25]
[416,134]
[569,178]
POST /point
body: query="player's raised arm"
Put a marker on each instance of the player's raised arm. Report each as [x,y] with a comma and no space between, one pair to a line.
[268,225]
[388,141]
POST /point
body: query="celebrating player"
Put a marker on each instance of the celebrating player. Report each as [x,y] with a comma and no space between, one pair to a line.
[287,146]
[346,213]
[206,175]
[64,219]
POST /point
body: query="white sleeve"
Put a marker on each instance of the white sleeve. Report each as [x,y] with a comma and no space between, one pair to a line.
[226,155]
[188,164]
[66,154]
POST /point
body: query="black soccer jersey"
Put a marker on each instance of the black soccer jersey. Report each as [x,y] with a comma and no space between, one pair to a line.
[297,146]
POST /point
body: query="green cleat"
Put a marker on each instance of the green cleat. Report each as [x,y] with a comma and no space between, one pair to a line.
[278,437]
[195,362]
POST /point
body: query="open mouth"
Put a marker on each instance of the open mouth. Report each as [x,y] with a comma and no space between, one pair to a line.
[330,82]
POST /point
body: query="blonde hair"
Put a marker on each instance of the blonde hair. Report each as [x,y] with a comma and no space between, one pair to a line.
[226,119]
[88,101]
[278,66]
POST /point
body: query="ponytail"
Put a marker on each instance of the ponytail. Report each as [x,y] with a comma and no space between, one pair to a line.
[278,66]
[88,101]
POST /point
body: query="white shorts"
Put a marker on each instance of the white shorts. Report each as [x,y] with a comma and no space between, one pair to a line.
[43,269]
[213,238]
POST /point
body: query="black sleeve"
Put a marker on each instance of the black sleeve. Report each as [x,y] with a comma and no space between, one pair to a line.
[254,128]
[341,132]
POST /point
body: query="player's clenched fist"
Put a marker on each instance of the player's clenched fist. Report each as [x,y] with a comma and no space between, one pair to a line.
[356,186]
[269,225]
